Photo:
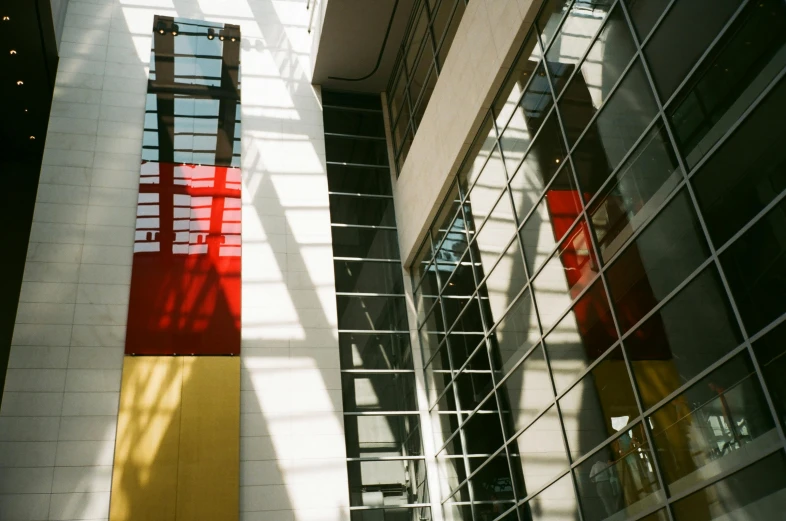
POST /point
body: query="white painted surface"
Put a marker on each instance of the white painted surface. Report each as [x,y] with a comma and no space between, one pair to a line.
[57,424]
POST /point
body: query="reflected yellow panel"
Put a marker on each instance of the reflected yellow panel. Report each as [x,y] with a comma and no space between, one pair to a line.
[209,469]
[144,477]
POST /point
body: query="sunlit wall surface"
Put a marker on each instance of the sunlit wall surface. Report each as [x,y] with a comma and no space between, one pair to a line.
[385,466]
[431,29]
[601,297]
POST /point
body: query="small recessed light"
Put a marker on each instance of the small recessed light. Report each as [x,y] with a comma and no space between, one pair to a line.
[25,110]
[20,82]
[233,39]
[13,51]
[32,138]
[6,18]
[556,160]
[175,29]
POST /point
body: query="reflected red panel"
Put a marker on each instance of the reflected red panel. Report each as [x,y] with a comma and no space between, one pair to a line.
[185,279]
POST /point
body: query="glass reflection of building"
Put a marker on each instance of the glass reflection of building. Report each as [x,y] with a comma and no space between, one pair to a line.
[600,298]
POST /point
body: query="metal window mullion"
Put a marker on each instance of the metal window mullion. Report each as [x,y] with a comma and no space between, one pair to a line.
[700,216]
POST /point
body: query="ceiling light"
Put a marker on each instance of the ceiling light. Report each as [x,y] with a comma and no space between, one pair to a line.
[32,138]
[20,82]
[6,18]
[556,160]
[13,51]
[233,39]
[161,28]
[211,33]
[175,29]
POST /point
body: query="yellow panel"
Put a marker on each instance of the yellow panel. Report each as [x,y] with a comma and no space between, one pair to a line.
[144,477]
[209,477]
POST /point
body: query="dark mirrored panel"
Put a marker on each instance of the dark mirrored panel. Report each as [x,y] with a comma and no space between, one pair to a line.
[357,180]
[372,436]
[691,331]
[492,484]
[630,108]
[373,352]
[754,266]
[353,121]
[755,492]
[719,423]
[366,211]
[548,20]
[741,65]
[658,260]
[747,172]
[368,277]
[770,352]
[644,14]
[372,313]
[365,243]
[683,36]
[391,514]
[619,481]
[636,192]
[378,392]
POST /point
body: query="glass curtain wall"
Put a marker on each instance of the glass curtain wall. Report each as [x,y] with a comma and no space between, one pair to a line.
[430,32]
[601,299]
[387,474]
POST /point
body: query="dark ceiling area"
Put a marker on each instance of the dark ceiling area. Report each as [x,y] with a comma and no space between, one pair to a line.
[28,60]
[359,42]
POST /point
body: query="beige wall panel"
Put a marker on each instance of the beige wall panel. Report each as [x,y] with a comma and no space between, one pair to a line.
[209,470]
[144,478]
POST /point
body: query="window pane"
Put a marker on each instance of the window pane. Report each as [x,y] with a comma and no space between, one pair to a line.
[558,502]
[498,230]
[571,269]
[770,351]
[547,151]
[482,147]
[415,38]
[573,40]
[551,220]
[755,492]
[474,382]
[619,478]
[693,330]
[358,180]
[720,422]
[449,220]
[487,191]
[370,392]
[372,313]
[623,119]
[748,170]
[425,95]
[462,346]
[382,436]
[754,266]
[637,190]
[398,103]
[516,333]
[507,101]
[665,253]
[540,451]
[353,122]
[528,391]
[357,151]
[581,337]
[365,243]
[644,14]
[600,405]
[374,211]
[368,277]
[450,33]
[418,79]
[379,483]
[682,37]
[743,63]
[401,129]
[392,514]
[483,432]
[492,483]
[590,87]
[549,19]
[527,119]
[505,281]
[462,281]
[469,321]
[368,351]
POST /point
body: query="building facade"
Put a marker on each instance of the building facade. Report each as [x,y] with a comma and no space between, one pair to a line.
[314,260]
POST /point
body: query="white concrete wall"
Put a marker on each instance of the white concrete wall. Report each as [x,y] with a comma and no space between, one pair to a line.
[57,423]
[485,45]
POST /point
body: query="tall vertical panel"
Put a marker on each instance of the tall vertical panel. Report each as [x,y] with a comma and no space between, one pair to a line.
[209,459]
[144,476]
[185,282]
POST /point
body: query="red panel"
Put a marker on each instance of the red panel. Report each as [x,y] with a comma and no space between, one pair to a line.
[185,280]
